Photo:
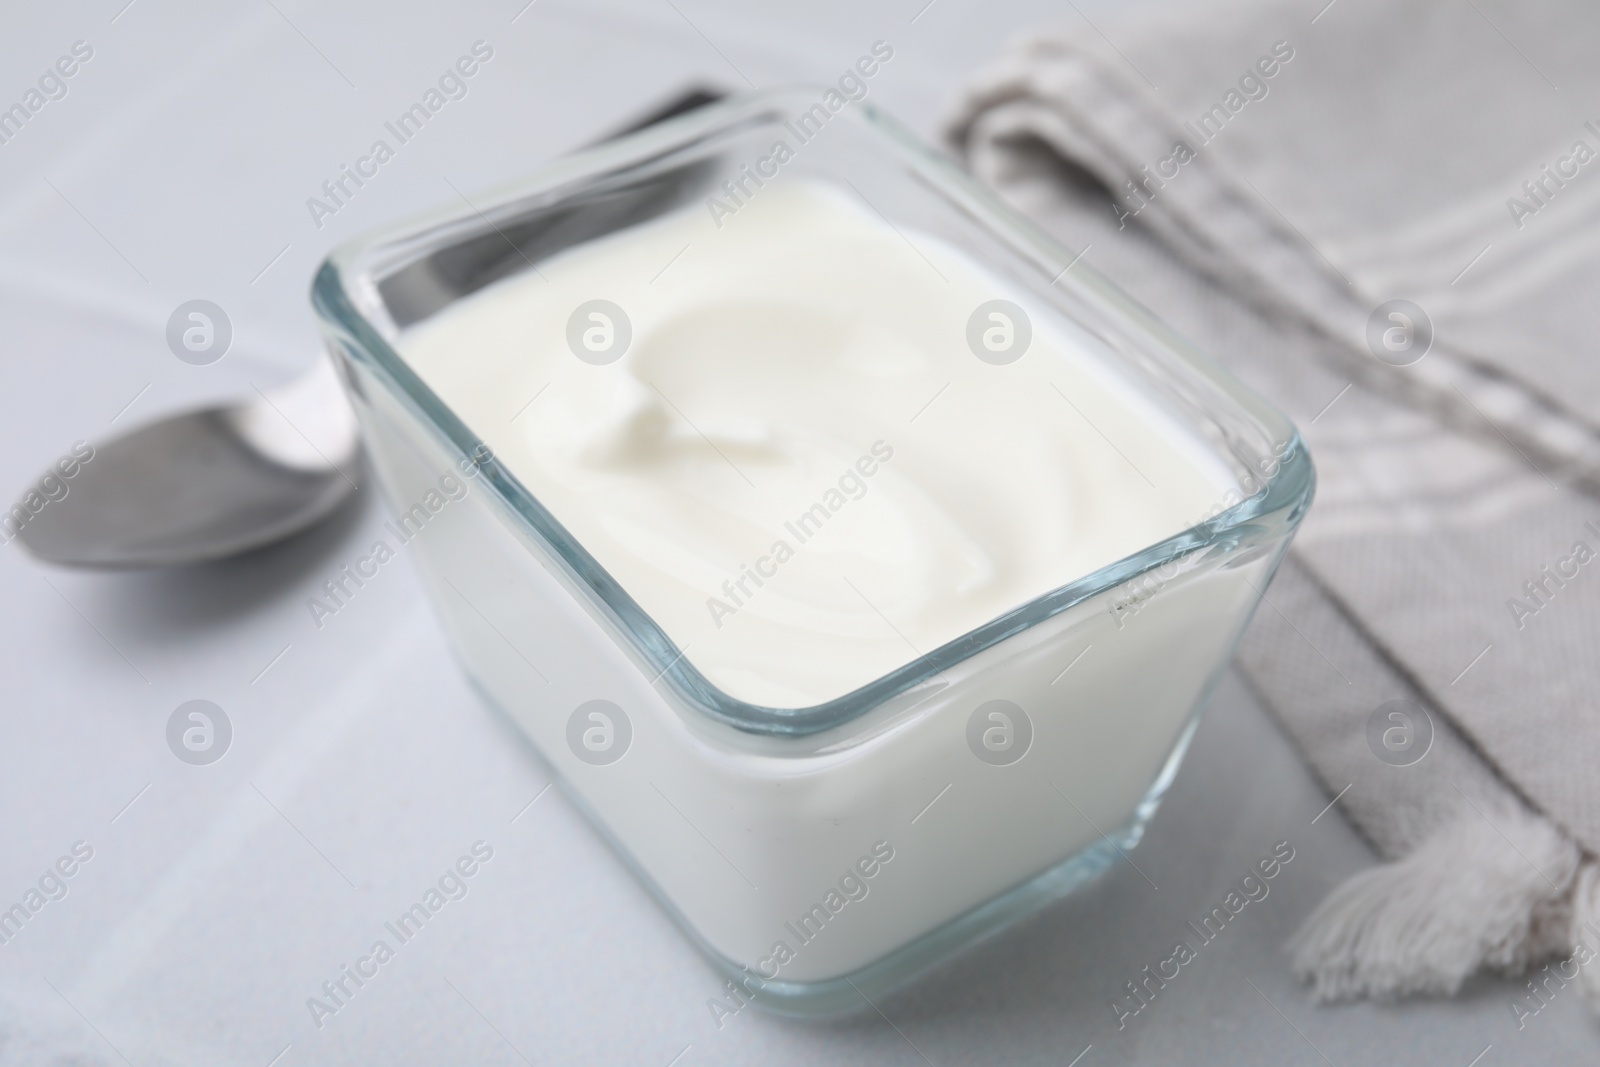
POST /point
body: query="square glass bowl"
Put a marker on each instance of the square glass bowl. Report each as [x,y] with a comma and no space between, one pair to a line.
[817,854]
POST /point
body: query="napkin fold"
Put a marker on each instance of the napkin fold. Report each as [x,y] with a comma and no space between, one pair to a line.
[1382,215]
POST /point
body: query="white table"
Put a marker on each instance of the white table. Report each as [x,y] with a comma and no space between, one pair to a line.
[219,898]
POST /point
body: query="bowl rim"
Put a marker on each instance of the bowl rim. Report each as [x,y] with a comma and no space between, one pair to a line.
[347,301]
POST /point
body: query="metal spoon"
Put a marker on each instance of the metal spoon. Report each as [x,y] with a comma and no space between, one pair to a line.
[213,483]
[206,484]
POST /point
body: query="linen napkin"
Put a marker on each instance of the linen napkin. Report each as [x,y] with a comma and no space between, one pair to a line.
[1384,216]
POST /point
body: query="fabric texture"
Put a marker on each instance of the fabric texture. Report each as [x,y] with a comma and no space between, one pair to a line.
[1269,178]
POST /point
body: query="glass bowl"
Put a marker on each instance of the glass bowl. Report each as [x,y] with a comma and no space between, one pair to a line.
[817,854]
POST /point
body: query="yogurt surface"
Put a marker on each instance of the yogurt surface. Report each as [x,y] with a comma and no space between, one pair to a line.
[799,466]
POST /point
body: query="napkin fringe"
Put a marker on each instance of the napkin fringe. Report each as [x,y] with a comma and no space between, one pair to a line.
[1500,890]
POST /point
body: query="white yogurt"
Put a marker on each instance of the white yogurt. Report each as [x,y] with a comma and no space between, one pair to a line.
[805,356]
[799,468]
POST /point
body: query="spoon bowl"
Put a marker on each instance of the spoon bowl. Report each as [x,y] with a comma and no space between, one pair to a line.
[207,484]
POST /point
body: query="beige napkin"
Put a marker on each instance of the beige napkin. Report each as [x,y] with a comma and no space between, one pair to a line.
[1271,178]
